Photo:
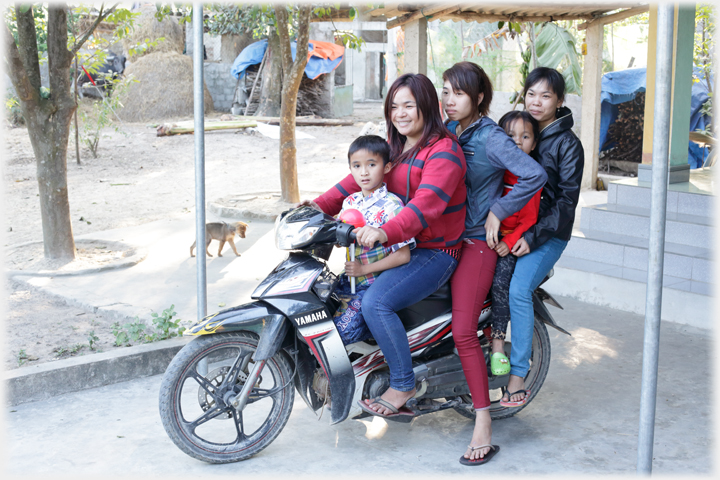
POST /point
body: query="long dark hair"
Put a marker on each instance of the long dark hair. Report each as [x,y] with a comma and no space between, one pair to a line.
[428,107]
[472,80]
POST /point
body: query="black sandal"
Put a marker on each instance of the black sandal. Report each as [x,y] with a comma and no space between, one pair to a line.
[480,461]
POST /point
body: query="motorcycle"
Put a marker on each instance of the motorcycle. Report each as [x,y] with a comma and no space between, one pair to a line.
[228,393]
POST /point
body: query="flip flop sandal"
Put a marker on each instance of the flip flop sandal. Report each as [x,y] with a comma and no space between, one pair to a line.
[499,364]
[401,412]
[480,461]
[519,402]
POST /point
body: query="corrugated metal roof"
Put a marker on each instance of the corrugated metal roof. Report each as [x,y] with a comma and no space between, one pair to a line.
[520,11]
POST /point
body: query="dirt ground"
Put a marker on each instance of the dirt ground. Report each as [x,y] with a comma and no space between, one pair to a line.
[138,178]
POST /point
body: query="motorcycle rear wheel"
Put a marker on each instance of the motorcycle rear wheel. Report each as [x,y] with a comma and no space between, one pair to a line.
[198,381]
[539,365]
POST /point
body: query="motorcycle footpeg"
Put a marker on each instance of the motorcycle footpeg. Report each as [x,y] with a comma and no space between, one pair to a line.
[423,407]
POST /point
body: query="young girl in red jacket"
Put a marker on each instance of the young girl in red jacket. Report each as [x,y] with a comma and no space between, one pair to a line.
[524,130]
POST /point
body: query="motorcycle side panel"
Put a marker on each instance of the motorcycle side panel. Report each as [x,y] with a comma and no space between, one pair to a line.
[314,323]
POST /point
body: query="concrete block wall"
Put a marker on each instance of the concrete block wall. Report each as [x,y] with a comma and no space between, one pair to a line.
[221,84]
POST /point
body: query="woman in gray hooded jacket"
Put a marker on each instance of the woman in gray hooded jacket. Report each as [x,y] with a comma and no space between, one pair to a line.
[489,151]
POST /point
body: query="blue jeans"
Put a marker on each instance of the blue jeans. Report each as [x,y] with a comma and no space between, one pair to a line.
[395,289]
[530,270]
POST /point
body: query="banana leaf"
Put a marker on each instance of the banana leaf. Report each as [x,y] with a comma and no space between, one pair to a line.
[555,48]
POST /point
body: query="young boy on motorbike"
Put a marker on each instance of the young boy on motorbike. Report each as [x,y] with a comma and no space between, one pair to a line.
[369,161]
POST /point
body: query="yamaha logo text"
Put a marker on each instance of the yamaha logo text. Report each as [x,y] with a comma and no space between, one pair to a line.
[311,317]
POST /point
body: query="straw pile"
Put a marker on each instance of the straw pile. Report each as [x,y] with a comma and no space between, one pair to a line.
[148,28]
[164,90]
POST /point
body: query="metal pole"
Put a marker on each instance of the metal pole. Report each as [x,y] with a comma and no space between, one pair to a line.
[199,113]
[658,203]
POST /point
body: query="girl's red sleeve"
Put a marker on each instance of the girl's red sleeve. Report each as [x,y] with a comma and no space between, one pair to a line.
[527,217]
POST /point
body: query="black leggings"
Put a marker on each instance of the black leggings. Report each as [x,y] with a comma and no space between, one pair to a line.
[504,269]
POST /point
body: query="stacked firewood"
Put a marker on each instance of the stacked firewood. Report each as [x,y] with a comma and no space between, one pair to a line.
[627,131]
[310,98]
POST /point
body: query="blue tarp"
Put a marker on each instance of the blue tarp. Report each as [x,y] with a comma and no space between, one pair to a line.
[622,86]
[253,54]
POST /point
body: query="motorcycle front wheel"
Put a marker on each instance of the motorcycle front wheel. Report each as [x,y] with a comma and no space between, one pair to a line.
[196,388]
[539,365]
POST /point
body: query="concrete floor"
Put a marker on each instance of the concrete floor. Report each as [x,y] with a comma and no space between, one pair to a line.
[584,421]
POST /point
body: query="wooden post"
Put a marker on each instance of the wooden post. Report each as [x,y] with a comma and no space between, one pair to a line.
[648,120]
[590,123]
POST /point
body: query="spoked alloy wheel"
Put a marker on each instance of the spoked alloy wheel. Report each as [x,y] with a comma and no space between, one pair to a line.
[195,398]
[539,365]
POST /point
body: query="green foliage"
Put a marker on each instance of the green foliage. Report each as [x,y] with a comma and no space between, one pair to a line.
[104,112]
[22,357]
[260,19]
[704,47]
[140,48]
[184,12]
[704,51]
[40,16]
[69,351]
[555,48]
[92,339]
[121,335]
[164,327]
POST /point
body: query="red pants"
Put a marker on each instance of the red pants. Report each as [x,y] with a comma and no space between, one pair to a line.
[470,285]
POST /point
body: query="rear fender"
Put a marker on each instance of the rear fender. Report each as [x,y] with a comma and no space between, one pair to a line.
[540,296]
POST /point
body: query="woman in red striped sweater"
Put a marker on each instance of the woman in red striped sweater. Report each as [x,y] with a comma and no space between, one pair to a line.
[428,174]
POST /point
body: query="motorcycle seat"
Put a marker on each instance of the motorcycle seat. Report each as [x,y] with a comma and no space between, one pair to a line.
[438,303]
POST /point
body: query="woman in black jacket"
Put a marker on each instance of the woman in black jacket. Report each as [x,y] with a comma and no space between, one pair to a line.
[560,152]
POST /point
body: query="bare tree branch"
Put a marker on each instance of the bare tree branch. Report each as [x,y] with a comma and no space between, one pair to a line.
[59,58]
[281,16]
[303,37]
[83,38]
[27,45]
[16,71]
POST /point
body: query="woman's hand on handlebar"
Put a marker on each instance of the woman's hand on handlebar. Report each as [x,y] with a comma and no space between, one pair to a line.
[492,227]
[307,203]
[367,236]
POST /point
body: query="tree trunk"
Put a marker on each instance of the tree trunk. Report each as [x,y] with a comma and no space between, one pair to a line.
[271,87]
[292,72]
[48,120]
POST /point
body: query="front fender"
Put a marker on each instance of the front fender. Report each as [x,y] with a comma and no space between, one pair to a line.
[269,323]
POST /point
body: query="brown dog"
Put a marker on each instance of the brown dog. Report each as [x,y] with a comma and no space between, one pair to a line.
[223,232]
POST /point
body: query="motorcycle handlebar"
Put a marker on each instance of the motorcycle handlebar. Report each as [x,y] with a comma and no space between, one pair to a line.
[353,237]
[346,236]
